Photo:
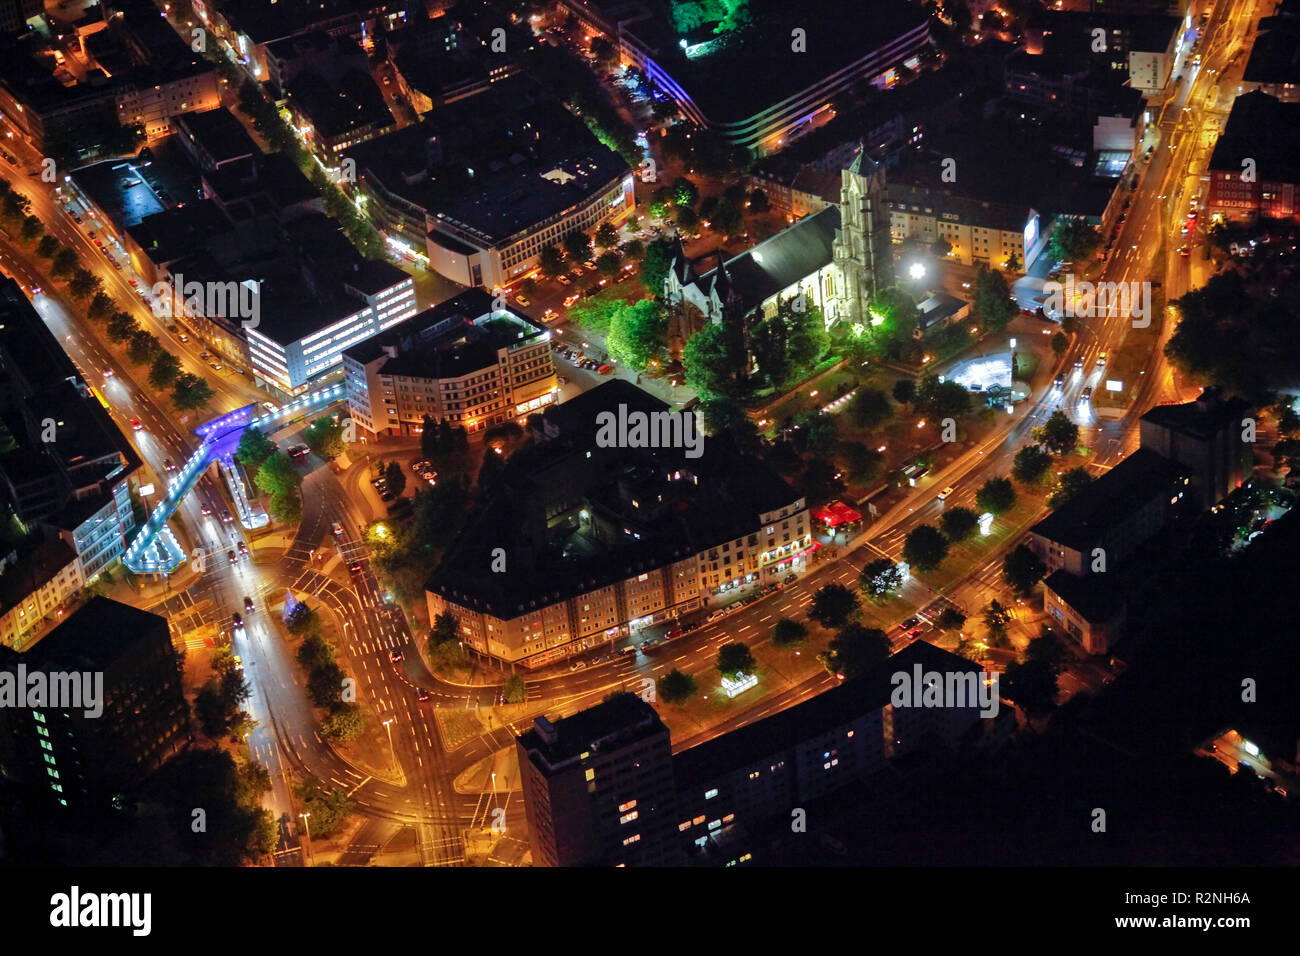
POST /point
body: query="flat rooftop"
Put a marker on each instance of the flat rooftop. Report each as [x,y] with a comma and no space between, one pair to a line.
[1110,500]
[645,508]
[752,69]
[93,638]
[451,339]
[494,164]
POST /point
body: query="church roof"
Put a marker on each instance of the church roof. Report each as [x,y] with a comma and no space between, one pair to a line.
[779,262]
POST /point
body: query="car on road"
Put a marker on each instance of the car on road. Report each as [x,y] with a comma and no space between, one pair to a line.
[1078,363]
[605,369]
[230,556]
[239,662]
[570,299]
[550,315]
[168,464]
[1101,360]
[236,621]
[226,515]
[1059,381]
[205,510]
[297,451]
[205,355]
[271,406]
[135,424]
[1087,394]
[336,529]
[215,366]
[248,604]
[243,548]
[1184,251]
[911,622]
[183,337]
[563,279]
[523,300]
[562,379]
[395,656]
[422,695]
[354,567]
[580,665]
[946,492]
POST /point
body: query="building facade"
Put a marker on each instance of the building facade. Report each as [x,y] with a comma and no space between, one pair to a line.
[461,361]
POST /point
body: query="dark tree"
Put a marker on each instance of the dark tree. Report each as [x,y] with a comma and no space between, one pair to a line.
[905,391]
[676,687]
[925,548]
[1069,485]
[1031,685]
[996,496]
[855,650]
[1060,435]
[1031,464]
[958,523]
[1022,570]
[735,659]
[833,605]
[787,632]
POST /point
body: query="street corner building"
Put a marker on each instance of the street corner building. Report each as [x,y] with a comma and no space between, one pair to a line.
[72,765]
[599,541]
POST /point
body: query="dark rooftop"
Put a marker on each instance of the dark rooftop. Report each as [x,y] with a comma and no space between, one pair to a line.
[1097,597]
[93,638]
[621,719]
[833,708]
[451,339]
[493,164]
[217,133]
[648,507]
[1275,54]
[1263,128]
[941,204]
[779,262]
[841,34]
[1202,419]
[1110,500]
[336,109]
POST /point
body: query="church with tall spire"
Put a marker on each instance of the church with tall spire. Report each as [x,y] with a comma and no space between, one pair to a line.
[836,259]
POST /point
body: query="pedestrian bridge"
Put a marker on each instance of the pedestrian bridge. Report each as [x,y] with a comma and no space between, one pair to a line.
[155,549]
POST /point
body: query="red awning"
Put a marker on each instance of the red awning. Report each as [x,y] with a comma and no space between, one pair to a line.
[836,513]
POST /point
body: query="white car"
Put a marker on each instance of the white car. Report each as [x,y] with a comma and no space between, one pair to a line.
[946,492]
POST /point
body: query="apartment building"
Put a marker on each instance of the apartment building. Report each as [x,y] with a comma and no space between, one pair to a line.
[600,541]
[477,189]
[598,787]
[979,232]
[1254,169]
[462,360]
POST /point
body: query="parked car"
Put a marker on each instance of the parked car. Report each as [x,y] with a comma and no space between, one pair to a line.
[523,300]
[563,279]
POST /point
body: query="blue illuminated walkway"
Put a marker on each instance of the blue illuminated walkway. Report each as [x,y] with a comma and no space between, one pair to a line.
[155,549]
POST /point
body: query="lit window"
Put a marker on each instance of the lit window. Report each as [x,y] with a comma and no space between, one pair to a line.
[714,824]
[632,839]
[684,825]
[624,807]
[709,795]
[628,817]
[728,818]
[591,774]
[698,820]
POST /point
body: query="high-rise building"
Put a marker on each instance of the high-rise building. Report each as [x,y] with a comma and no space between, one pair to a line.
[598,787]
[1208,438]
[113,711]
